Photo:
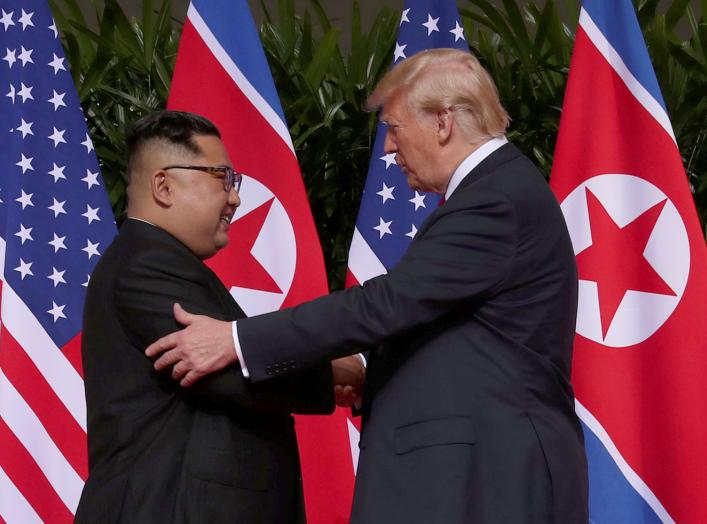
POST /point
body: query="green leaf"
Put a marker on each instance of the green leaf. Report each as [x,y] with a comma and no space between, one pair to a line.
[675,13]
[515,20]
[266,12]
[647,11]
[127,97]
[149,31]
[307,42]
[287,23]
[126,39]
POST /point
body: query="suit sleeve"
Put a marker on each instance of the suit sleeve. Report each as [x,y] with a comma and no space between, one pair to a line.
[145,292]
[463,257]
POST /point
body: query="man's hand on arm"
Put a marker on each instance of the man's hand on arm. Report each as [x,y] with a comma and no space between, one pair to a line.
[349,374]
[204,346]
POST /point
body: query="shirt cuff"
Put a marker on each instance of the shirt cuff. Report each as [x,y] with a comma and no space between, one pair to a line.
[363,359]
[239,353]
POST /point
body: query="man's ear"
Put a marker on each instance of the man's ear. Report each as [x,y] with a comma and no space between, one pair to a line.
[161,188]
[445,125]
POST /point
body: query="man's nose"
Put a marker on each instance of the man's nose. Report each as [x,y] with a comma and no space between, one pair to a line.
[234,198]
[389,145]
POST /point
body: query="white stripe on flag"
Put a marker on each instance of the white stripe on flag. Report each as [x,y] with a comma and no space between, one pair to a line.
[363,262]
[40,348]
[354,439]
[2,259]
[641,93]
[28,429]
[238,77]
[631,476]
[2,273]
[14,508]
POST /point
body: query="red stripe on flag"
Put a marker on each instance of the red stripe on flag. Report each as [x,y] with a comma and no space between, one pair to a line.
[29,479]
[350,279]
[325,453]
[72,352]
[56,419]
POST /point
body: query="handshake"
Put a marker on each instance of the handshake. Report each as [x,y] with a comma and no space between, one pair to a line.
[349,374]
[206,346]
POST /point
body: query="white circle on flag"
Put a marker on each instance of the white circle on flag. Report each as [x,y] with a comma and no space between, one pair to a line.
[275,249]
[640,314]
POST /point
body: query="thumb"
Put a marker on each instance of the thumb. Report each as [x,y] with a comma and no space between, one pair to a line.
[181,315]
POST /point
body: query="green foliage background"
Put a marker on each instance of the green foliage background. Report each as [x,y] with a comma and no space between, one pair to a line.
[123,70]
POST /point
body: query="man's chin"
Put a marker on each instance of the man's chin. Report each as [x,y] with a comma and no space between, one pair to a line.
[220,244]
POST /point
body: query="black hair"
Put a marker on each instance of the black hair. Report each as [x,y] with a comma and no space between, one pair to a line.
[176,127]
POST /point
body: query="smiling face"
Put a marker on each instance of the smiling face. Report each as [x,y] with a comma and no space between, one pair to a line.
[202,210]
[415,141]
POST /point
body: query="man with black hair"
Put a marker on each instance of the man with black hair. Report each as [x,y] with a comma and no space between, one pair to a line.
[225,450]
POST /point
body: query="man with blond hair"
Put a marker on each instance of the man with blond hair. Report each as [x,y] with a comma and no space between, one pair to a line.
[468,409]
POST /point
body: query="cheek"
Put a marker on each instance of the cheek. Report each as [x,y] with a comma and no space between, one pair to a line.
[218,210]
[203,215]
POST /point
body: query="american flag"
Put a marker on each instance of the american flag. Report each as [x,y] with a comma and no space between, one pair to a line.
[391,212]
[55,221]
[639,355]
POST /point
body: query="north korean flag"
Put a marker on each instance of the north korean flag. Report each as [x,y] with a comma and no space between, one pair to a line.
[640,357]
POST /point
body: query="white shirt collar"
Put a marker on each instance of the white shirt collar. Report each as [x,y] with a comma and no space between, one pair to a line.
[470,162]
[141,220]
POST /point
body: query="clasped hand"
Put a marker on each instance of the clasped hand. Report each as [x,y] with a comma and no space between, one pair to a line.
[349,374]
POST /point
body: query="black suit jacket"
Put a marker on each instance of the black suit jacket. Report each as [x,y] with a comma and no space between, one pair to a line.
[221,451]
[468,409]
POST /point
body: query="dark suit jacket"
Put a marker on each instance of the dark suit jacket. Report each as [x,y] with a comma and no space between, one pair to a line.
[468,409]
[221,451]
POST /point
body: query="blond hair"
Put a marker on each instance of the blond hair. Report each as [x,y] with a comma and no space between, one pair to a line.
[439,79]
